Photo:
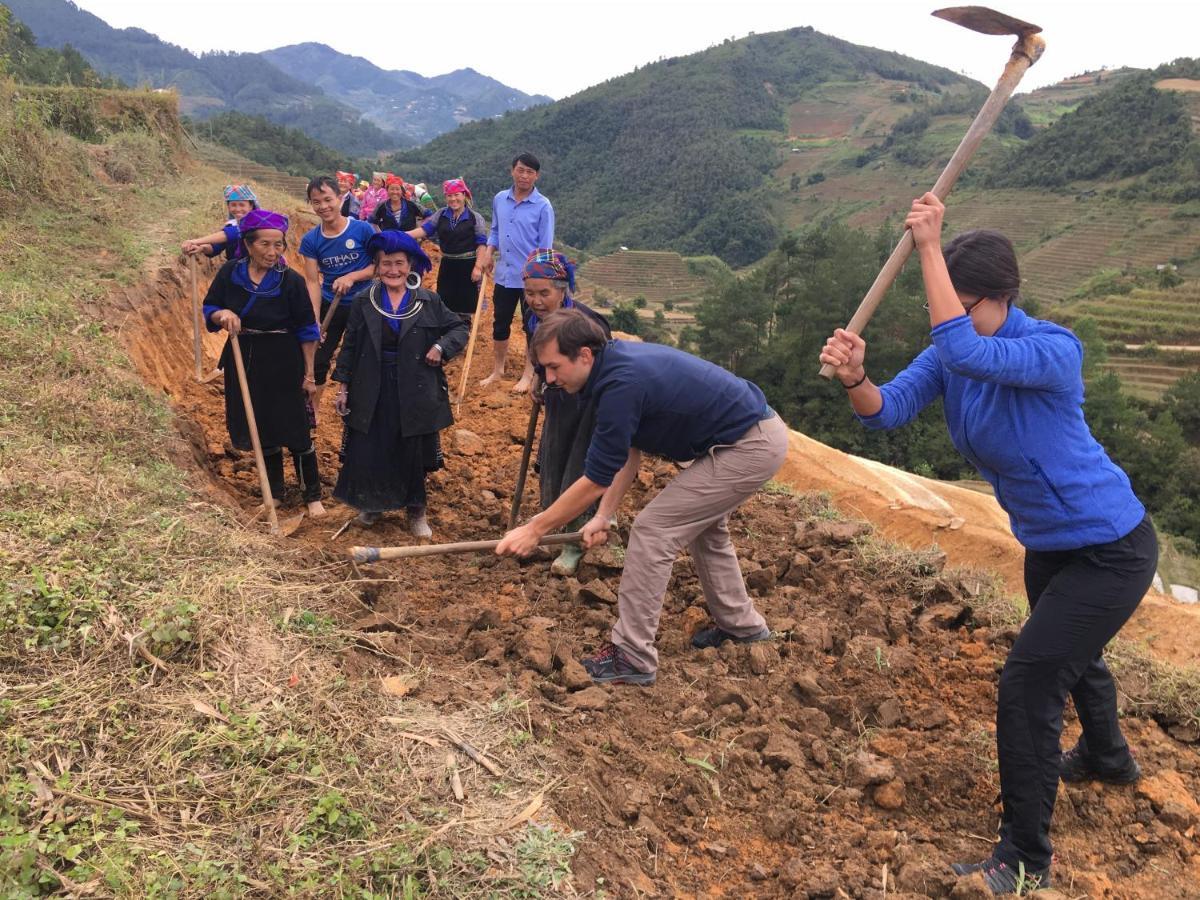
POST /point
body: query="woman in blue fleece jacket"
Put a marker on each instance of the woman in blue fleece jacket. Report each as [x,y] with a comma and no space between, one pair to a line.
[1013,394]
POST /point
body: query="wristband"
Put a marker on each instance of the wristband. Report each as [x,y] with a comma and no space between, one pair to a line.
[851,387]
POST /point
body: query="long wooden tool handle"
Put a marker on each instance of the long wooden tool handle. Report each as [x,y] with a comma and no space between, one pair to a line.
[1025,54]
[333,305]
[514,512]
[374,554]
[466,370]
[196,321]
[264,482]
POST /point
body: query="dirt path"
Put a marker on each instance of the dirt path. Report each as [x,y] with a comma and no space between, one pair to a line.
[853,756]
[969,526]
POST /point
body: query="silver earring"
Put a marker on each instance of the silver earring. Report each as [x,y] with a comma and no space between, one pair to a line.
[413,281]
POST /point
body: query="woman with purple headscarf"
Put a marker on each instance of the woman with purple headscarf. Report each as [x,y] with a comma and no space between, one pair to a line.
[462,235]
[570,418]
[393,391]
[266,304]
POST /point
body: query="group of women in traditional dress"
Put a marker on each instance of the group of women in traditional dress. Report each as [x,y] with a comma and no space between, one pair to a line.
[361,288]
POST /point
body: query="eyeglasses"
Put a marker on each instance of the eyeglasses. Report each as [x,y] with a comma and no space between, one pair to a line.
[967,309]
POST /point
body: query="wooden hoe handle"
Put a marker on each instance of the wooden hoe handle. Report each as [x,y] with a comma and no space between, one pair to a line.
[1026,52]
[375,554]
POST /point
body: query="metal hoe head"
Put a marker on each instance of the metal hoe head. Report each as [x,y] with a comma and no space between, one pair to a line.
[986,21]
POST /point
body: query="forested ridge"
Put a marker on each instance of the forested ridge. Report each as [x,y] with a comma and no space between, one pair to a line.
[1131,131]
[676,155]
[769,325]
[213,81]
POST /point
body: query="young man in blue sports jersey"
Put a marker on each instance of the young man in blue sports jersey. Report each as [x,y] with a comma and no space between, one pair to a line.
[336,266]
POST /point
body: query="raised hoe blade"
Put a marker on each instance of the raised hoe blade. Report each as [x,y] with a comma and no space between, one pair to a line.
[986,21]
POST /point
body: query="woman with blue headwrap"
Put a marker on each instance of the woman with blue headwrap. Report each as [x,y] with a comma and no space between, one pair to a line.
[393,391]
[570,419]
[239,200]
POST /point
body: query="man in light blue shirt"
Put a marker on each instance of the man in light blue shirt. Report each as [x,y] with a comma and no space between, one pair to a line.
[522,221]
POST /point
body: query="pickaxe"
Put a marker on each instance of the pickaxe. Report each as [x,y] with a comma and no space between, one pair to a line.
[1027,50]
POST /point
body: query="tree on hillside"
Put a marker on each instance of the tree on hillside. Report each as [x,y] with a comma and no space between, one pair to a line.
[1182,399]
[24,60]
[272,145]
[625,318]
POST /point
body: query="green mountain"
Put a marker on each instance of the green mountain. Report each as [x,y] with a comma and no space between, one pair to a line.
[23,60]
[679,154]
[402,102]
[207,84]
[1139,131]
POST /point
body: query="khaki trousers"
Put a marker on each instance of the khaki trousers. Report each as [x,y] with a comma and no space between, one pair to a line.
[693,511]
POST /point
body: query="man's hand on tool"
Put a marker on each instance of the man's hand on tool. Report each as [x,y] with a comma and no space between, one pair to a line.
[595,532]
[521,541]
[925,220]
[341,285]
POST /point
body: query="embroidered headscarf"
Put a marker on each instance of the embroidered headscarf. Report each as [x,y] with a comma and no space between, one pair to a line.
[399,242]
[240,192]
[343,177]
[546,263]
[263,218]
[456,186]
[393,179]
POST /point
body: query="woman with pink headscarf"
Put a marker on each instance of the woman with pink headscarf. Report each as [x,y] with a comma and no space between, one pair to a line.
[462,234]
[374,195]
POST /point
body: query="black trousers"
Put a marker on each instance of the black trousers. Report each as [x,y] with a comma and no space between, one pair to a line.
[333,337]
[308,475]
[504,303]
[1078,600]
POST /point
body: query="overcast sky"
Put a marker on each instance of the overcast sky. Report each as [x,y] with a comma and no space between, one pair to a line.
[559,47]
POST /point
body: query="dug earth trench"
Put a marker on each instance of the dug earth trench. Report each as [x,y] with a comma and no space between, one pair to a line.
[853,755]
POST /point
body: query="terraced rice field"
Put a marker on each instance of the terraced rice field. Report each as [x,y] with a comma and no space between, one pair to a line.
[656,275]
[1169,318]
[247,170]
[1147,379]
[1143,316]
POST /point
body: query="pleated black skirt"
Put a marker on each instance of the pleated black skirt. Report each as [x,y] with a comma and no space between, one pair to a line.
[382,469]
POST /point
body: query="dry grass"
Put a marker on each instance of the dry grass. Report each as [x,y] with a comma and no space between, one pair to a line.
[176,719]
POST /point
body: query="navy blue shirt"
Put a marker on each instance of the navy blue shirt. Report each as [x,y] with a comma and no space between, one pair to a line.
[666,402]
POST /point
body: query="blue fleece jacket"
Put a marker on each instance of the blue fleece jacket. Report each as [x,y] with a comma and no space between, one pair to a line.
[1014,406]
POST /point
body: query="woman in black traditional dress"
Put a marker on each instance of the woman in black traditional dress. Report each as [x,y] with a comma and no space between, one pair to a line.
[266,304]
[398,212]
[393,389]
[570,418]
[462,234]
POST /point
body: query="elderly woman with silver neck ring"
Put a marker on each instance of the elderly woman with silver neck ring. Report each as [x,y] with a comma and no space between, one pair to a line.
[393,391]
[257,297]
[570,418]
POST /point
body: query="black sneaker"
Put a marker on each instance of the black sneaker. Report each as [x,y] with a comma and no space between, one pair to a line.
[1002,878]
[715,637]
[611,666]
[1074,766]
